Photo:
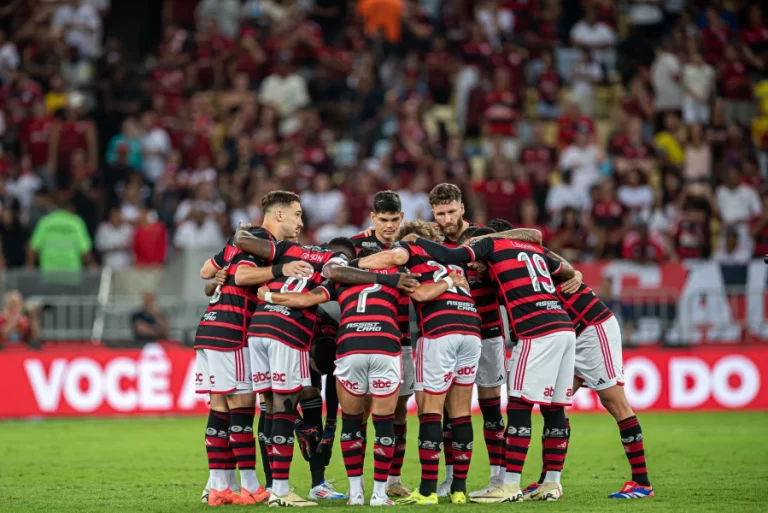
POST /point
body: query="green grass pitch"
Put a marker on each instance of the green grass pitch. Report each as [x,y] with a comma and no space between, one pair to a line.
[698,462]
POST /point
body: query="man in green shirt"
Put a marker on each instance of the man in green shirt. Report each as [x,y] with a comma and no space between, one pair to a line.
[61,241]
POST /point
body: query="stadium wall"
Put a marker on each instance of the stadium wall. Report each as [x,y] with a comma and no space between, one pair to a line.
[159,380]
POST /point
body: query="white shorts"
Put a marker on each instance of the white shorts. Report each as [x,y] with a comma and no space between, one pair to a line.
[541,369]
[222,372]
[277,366]
[599,362]
[491,370]
[377,374]
[444,361]
[409,378]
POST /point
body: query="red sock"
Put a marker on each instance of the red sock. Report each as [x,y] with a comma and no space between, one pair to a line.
[518,434]
[241,437]
[447,440]
[383,446]
[282,444]
[220,455]
[352,444]
[632,439]
[430,438]
[462,451]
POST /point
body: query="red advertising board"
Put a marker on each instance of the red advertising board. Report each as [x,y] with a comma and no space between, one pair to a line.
[159,379]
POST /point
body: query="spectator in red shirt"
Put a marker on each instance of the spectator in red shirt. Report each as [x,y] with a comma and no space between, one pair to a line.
[736,87]
[538,160]
[635,152]
[74,132]
[15,326]
[150,240]
[529,217]
[548,85]
[638,102]
[715,37]
[754,38]
[513,58]
[36,136]
[501,194]
[501,114]
[643,247]
[475,54]
[440,66]
[570,121]
[609,222]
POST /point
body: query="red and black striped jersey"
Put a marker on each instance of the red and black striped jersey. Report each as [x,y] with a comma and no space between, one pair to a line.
[486,295]
[524,274]
[293,326]
[404,306]
[371,241]
[225,321]
[583,307]
[369,312]
[453,311]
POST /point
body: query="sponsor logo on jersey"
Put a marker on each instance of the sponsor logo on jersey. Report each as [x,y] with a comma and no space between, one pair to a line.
[462,306]
[466,371]
[364,326]
[258,377]
[380,383]
[209,316]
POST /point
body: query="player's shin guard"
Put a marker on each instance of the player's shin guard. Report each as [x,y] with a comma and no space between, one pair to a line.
[383,450]
[555,441]
[265,428]
[632,439]
[543,452]
[493,433]
[221,459]
[430,442]
[399,454]
[352,451]
[447,445]
[461,428]
[244,446]
[518,438]
[312,411]
[282,450]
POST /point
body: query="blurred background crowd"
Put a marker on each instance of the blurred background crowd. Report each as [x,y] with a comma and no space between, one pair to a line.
[622,129]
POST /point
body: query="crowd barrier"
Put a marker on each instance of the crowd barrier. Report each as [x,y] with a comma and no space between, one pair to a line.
[67,381]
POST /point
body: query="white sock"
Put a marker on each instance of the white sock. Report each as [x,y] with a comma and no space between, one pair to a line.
[512,478]
[250,480]
[219,479]
[449,472]
[208,484]
[355,485]
[552,477]
[380,488]
[280,487]
[494,471]
[392,480]
[501,474]
[232,479]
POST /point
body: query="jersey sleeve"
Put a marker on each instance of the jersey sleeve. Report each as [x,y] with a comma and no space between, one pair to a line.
[244,258]
[482,249]
[444,255]
[554,265]
[337,258]
[329,288]
[218,259]
[279,249]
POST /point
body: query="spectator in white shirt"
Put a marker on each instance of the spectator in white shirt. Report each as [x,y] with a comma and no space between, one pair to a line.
[287,92]
[665,78]
[415,199]
[731,251]
[586,74]
[323,203]
[156,146]
[698,86]
[81,24]
[636,196]
[9,58]
[114,239]
[225,12]
[598,37]
[198,231]
[565,195]
[738,204]
[203,200]
[341,228]
[583,159]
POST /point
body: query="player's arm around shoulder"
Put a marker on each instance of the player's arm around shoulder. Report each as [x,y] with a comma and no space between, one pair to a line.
[398,255]
[294,299]
[569,286]
[521,234]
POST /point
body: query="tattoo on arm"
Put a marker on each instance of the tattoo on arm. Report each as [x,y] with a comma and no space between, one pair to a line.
[521,234]
[261,248]
[349,275]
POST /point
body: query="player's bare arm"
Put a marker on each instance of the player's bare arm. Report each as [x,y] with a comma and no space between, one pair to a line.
[293,299]
[447,256]
[384,259]
[249,275]
[570,286]
[566,272]
[208,271]
[521,234]
[218,281]
[351,276]
[430,291]
[247,242]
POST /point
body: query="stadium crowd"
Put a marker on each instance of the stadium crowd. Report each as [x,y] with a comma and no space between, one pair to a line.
[638,131]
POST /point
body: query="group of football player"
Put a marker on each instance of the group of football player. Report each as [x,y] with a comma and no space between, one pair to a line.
[265,336]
